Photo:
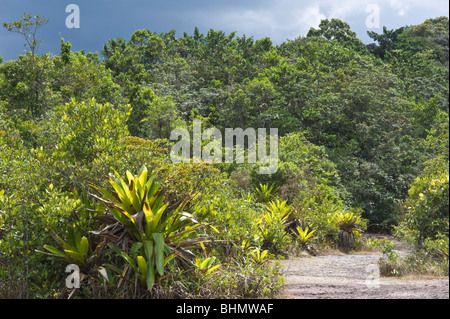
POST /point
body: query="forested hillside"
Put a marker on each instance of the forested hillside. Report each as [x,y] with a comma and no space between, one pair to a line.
[86,177]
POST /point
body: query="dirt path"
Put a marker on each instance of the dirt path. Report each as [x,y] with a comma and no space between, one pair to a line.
[353,277]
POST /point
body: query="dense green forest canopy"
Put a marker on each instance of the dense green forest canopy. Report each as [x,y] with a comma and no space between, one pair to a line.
[358,123]
[373,108]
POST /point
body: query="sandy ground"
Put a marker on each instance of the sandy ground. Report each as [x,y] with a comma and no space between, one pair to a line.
[354,277]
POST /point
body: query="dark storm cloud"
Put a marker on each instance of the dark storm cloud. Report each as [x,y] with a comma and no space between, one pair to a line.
[282,19]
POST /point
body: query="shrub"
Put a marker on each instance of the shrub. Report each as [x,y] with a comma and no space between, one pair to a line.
[272,227]
[426,211]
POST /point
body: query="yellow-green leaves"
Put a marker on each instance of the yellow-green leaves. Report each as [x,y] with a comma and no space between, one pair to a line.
[206,266]
[265,193]
[151,261]
[278,210]
[258,256]
[56,252]
[303,235]
[348,222]
[138,204]
[80,136]
[142,264]
[83,246]
[75,248]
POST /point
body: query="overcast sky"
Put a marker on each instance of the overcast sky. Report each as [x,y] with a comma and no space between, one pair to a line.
[101,20]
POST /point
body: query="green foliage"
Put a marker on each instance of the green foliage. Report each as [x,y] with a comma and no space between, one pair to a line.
[431,35]
[276,212]
[426,213]
[234,218]
[265,193]
[259,256]
[303,235]
[374,242]
[387,41]
[65,51]
[139,206]
[206,266]
[244,280]
[160,119]
[27,27]
[359,127]
[33,83]
[390,263]
[81,142]
[349,222]
[76,248]
[337,30]
[438,250]
[319,208]
[88,129]
[272,226]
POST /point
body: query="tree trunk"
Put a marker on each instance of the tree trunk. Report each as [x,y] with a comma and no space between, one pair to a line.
[345,241]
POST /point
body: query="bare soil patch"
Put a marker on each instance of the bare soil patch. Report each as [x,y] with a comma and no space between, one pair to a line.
[354,277]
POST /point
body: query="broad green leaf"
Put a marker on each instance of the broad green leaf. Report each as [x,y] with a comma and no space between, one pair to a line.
[264,254]
[124,195]
[142,179]
[210,270]
[205,263]
[148,219]
[143,168]
[157,218]
[77,240]
[148,249]
[150,278]
[127,196]
[169,257]
[123,255]
[123,219]
[129,260]
[152,188]
[130,177]
[84,246]
[159,252]
[142,264]
[112,197]
[105,193]
[63,243]
[56,251]
[76,256]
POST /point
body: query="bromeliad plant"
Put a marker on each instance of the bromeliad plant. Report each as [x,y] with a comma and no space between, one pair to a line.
[139,207]
[348,224]
[265,193]
[303,236]
[258,256]
[272,225]
[206,266]
[151,262]
[277,211]
[75,248]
